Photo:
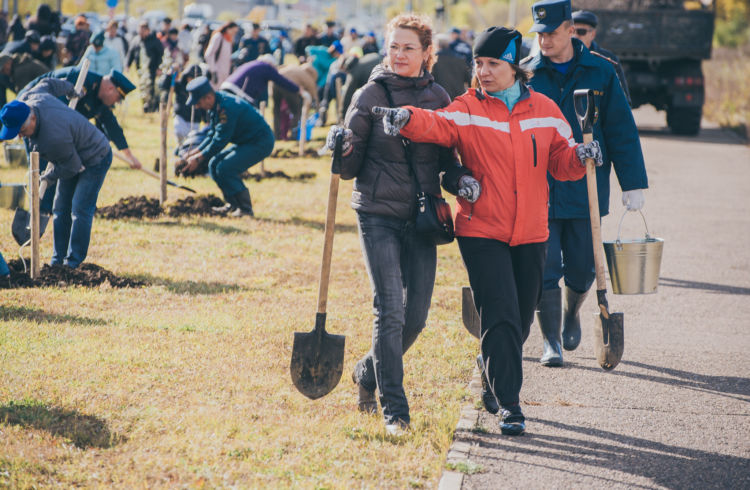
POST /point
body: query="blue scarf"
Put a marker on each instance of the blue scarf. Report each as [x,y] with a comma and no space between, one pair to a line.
[510,95]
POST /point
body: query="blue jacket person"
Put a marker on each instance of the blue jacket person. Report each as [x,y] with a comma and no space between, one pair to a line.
[563,65]
[81,156]
[231,120]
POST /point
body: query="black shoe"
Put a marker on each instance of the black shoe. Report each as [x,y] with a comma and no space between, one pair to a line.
[488,398]
[512,422]
[366,401]
[244,204]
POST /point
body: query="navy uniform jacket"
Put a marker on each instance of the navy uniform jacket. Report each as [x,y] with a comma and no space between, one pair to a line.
[614,129]
[618,67]
[233,120]
[89,105]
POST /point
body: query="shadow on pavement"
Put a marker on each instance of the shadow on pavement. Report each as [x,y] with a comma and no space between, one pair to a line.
[730,386]
[664,465]
[84,431]
[707,135]
[706,286]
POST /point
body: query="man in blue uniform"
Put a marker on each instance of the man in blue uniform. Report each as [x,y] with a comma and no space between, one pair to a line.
[563,65]
[585,23]
[231,120]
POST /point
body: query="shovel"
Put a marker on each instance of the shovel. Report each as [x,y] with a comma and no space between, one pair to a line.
[153,174]
[317,356]
[469,312]
[609,333]
[21,226]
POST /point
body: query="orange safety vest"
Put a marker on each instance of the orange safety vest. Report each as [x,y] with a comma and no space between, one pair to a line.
[509,154]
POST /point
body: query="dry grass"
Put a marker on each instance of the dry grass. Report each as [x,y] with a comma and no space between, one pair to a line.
[186,381]
[727,88]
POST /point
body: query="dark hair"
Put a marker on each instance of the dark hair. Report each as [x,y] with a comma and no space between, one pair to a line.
[521,74]
[226,26]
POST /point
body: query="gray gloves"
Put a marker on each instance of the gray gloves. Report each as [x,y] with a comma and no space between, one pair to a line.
[346,141]
[469,188]
[633,200]
[393,119]
[590,150]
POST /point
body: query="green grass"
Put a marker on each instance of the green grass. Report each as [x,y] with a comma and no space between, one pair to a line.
[185,382]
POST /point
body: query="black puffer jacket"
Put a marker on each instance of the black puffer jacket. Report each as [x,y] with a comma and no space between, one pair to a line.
[384,184]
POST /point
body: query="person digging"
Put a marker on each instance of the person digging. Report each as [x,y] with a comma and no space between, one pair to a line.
[231,120]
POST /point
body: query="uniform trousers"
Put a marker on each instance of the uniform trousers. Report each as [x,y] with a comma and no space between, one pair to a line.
[569,255]
[226,167]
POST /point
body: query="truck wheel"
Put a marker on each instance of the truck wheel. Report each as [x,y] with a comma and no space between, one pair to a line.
[684,120]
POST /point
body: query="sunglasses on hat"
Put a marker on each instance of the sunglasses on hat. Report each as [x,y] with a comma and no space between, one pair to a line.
[582,31]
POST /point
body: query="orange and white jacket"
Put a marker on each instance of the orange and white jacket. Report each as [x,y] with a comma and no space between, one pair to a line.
[509,154]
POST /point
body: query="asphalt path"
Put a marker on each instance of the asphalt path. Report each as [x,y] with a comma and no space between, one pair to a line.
[676,412]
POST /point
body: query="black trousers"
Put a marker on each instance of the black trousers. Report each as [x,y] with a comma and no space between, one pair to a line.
[507,285]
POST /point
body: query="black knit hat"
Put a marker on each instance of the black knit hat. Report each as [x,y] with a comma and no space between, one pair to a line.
[500,43]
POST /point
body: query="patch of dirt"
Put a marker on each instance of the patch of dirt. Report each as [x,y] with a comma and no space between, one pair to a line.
[88,275]
[280,174]
[194,206]
[293,153]
[131,207]
[148,207]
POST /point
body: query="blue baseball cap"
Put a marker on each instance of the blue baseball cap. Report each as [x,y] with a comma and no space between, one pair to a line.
[549,14]
[13,115]
[197,88]
[338,46]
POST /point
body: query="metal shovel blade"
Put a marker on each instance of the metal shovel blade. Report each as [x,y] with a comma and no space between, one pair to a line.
[317,360]
[609,338]
[469,312]
[21,226]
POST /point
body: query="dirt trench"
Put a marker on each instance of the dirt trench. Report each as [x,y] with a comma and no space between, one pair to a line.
[87,275]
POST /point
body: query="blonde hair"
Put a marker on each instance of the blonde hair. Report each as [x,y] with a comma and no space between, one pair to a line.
[422,27]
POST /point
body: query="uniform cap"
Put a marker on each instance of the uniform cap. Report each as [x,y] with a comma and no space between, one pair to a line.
[124,86]
[32,36]
[13,115]
[98,39]
[499,42]
[585,17]
[197,88]
[549,14]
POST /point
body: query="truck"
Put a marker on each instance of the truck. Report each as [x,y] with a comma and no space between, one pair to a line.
[660,44]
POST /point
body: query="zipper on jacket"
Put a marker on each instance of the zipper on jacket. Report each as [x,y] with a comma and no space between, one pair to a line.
[533,143]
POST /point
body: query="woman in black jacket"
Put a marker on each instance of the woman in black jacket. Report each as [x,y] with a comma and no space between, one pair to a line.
[401,264]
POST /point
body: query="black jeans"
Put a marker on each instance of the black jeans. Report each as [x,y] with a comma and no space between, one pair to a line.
[401,266]
[507,285]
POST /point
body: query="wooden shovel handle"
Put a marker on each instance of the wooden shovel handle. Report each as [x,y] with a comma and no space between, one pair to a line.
[333,194]
[596,228]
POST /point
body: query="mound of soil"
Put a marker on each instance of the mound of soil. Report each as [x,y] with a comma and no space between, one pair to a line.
[131,207]
[194,206]
[280,174]
[88,275]
[293,153]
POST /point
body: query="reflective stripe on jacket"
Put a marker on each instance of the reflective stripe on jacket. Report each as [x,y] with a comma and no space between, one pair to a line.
[509,154]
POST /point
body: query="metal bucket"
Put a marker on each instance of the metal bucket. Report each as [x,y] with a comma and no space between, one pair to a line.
[15,155]
[634,264]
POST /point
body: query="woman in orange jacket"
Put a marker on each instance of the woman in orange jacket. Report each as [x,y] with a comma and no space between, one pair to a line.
[508,137]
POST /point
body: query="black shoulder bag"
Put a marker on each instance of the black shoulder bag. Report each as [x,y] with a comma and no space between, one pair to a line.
[434,220]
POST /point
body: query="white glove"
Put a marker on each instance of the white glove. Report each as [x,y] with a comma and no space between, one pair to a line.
[346,140]
[469,188]
[393,119]
[590,150]
[633,200]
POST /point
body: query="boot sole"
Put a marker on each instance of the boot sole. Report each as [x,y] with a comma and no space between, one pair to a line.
[552,363]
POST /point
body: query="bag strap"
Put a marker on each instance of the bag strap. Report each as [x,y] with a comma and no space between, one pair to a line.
[404,141]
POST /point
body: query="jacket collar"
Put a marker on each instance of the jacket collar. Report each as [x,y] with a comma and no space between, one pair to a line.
[382,74]
[525,93]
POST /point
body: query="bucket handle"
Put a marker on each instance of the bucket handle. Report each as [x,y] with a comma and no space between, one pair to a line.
[619,228]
